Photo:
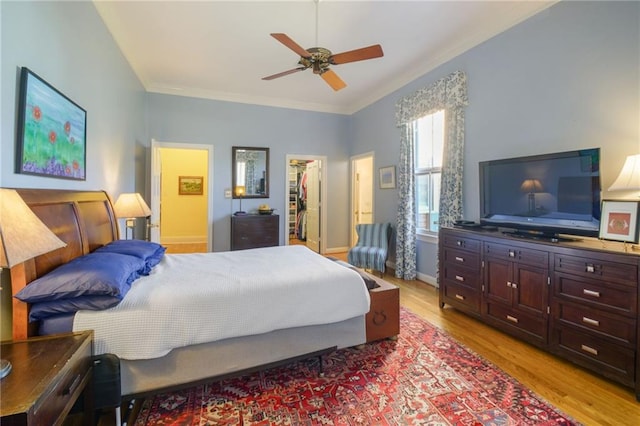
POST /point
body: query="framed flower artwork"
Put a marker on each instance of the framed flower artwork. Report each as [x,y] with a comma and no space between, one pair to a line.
[51,132]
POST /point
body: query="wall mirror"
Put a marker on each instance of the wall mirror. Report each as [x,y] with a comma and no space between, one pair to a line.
[250,172]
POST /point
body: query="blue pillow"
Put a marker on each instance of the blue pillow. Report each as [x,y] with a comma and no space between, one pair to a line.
[94,274]
[42,310]
[151,253]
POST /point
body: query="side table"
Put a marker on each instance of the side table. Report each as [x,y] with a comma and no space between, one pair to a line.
[49,374]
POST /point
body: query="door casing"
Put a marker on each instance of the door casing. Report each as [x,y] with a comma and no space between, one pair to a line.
[323,196]
[155,180]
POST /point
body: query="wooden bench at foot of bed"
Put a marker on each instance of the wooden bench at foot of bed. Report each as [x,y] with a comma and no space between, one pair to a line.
[383,318]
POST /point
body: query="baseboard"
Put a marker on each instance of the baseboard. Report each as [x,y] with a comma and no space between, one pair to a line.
[336,250]
[194,239]
[428,279]
[419,275]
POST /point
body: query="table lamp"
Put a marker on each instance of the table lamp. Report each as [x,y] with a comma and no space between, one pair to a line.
[629,177]
[130,206]
[240,191]
[23,236]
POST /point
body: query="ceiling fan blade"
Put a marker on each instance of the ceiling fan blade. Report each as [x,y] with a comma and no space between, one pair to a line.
[287,41]
[370,52]
[282,74]
[333,80]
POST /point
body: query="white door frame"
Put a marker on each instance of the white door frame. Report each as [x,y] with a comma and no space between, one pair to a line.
[352,234]
[323,196]
[155,186]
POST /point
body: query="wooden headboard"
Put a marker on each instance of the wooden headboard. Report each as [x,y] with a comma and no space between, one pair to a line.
[85,220]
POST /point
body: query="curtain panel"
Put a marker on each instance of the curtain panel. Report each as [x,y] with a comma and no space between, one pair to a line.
[448,93]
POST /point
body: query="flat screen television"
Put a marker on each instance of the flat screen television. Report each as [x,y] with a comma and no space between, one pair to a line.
[542,196]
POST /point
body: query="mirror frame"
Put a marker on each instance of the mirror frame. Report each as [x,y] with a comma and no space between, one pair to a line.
[234,163]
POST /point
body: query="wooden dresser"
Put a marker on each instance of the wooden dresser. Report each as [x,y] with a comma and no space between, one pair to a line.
[254,231]
[578,300]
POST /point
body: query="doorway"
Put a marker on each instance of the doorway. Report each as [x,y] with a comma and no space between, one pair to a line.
[171,162]
[362,181]
[305,218]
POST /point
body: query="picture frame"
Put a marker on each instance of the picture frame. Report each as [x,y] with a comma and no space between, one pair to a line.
[388,177]
[51,131]
[190,185]
[619,221]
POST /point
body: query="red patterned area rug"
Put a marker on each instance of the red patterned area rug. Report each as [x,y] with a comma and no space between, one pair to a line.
[424,377]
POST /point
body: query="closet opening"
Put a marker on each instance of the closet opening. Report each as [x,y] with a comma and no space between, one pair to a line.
[305,215]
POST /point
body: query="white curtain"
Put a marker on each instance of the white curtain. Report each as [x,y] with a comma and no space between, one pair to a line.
[450,94]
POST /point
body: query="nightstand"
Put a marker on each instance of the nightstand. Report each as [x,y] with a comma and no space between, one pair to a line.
[49,374]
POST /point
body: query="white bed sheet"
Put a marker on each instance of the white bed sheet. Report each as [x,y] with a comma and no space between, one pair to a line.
[204,297]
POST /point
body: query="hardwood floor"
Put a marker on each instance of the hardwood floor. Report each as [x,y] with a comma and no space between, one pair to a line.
[582,395]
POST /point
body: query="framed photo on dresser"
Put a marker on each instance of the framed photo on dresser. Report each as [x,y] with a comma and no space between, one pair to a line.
[619,221]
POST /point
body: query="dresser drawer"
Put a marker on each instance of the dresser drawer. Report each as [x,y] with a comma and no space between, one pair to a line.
[461,296]
[254,231]
[460,242]
[464,258]
[517,254]
[613,297]
[620,329]
[59,398]
[611,360]
[536,326]
[620,273]
[461,276]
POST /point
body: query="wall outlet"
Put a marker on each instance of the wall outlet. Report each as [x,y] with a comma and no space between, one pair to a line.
[227,193]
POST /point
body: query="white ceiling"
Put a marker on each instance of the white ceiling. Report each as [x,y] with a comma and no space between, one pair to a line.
[222,49]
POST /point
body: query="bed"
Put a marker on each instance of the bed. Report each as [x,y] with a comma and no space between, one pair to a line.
[225,342]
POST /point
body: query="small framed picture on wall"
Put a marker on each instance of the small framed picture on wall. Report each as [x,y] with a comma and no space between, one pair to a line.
[619,221]
[388,177]
[190,185]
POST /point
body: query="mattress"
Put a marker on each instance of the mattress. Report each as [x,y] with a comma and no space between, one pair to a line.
[204,297]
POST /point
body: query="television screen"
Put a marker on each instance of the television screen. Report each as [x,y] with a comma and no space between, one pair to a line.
[551,194]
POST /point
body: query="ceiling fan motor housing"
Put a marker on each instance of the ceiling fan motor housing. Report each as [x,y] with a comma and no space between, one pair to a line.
[319,60]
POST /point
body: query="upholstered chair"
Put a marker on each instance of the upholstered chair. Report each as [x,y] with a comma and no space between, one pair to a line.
[372,249]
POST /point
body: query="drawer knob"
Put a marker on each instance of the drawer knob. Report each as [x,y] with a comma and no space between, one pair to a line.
[512,253]
[459,297]
[590,293]
[459,259]
[590,268]
[590,321]
[459,278]
[459,243]
[512,319]
[589,349]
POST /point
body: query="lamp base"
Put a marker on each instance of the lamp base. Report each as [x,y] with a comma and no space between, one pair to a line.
[5,368]
[240,213]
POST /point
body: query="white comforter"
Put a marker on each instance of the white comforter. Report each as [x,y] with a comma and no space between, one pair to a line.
[198,298]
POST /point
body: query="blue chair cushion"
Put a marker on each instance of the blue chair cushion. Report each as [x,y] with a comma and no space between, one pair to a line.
[372,248]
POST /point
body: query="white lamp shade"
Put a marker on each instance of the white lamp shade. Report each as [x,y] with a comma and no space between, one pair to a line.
[131,205]
[23,236]
[629,177]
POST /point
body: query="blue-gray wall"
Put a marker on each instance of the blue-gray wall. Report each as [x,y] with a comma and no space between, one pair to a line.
[67,44]
[564,79]
[178,119]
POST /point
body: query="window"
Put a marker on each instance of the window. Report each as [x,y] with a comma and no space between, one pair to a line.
[429,142]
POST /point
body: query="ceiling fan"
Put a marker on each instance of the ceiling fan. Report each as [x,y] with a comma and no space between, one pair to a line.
[319,59]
